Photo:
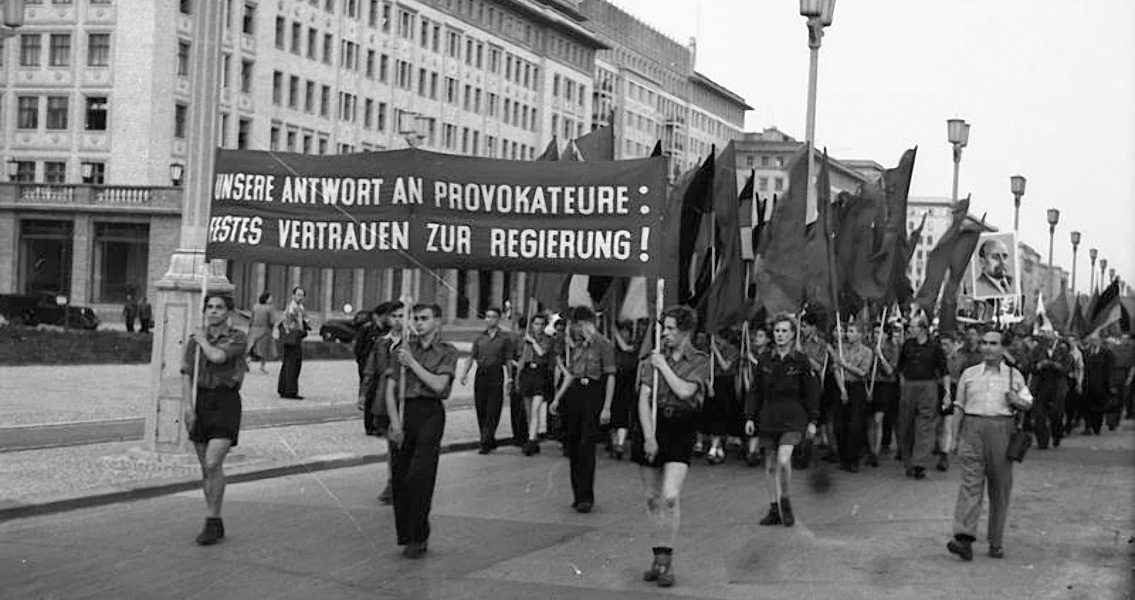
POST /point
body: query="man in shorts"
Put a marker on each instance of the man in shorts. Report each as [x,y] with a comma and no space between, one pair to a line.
[214,361]
[785,406]
[668,439]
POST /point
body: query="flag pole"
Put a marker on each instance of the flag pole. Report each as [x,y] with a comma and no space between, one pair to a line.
[407,333]
[878,348]
[712,279]
[659,299]
[201,321]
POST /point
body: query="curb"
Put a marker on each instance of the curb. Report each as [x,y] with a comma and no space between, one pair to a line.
[23,511]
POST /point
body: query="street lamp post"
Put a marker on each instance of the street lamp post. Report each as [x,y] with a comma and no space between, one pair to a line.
[1103,267]
[1075,246]
[1053,219]
[957,132]
[1110,275]
[819,14]
[1092,254]
[1017,185]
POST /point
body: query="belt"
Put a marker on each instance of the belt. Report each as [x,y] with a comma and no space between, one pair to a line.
[585,381]
[989,416]
[532,366]
[676,412]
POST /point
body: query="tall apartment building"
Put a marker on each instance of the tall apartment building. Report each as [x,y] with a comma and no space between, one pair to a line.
[767,154]
[94,106]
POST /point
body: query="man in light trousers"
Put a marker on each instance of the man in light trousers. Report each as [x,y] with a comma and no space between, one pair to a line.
[988,394]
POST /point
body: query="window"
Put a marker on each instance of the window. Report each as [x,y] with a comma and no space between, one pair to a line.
[467,103]
[370,64]
[293,92]
[764,161]
[469,52]
[323,144]
[309,97]
[246,26]
[312,43]
[277,87]
[762,184]
[556,86]
[424,32]
[54,172]
[435,38]
[368,113]
[28,117]
[121,257]
[372,15]
[281,28]
[226,69]
[246,77]
[60,54]
[380,122]
[243,130]
[325,101]
[386,8]
[223,127]
[307,142]
[97,110]
[453,44]
[328,47]
[433,86]
[25,172]
[98,50]
[750,161]
[185,7]
[778,184]
[57,112]
[180,117]
[183,59]
[383,68]
[297,39]
[405,73]
[451,90]
[98,173]
[494,60]
[29,50]
[423,83]
[292,134]
[405,24]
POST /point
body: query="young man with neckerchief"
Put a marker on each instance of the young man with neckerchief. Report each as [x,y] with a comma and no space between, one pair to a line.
[214,360]
[428,365]
[372,386]
[666,446]
[492,352]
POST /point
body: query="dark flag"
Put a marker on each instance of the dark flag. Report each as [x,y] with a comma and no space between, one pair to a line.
[598,145]
[1059,314]
[657,149]
[552,152]
[959,259]
[901,290]
[1078,325]
[780,279]
[697,199]
[856,243]
[1107,311]
[891,255]
[747,206]
[942,258]
[725,304]
[550,290]
[821,284]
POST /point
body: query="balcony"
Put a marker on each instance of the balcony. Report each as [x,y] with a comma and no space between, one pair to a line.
[94,198]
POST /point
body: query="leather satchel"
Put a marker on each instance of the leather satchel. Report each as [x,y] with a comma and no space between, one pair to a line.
[1020,440]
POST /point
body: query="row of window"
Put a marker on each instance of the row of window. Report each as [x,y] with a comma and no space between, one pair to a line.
[489,16]
[765,161]
[248,17]
[56,112]
[55,172]
[59,50]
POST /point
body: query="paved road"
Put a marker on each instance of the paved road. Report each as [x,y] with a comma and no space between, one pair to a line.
[503,529]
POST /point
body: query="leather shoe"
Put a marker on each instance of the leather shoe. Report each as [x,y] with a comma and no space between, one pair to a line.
[213,532]
[583,507]
[964,550]
[996,552]
[415,550]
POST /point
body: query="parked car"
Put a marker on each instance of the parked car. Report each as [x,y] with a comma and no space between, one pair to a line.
[344,330]
[44,308]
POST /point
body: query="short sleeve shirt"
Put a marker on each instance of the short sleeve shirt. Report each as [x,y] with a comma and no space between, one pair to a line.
[440,358]
[228,374]
[922,362]
[860,357]
[492,351]
[529,359]
[730,353]
[592,359]
[691,365]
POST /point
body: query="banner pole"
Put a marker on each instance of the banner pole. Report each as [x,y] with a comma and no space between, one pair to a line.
[712,279]
[660,298]
[201,322]
[407,334]
[878,347]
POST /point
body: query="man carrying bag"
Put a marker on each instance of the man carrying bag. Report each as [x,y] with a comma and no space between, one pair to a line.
[989,395]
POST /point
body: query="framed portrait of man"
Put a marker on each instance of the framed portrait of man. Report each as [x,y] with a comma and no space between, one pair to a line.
[995,267]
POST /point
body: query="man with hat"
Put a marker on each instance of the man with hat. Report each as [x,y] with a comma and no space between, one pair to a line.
[587,389]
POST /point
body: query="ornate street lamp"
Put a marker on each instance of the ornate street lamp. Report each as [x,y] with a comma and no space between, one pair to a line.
[1017,185]
[1053,219]
[176,171]
[1103,267]
[1111,274]
[957,133]
[820,14]
[13,168]
[1092,254]
[1075,246]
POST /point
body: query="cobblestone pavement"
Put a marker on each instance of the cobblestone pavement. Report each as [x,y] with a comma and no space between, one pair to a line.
[34,395]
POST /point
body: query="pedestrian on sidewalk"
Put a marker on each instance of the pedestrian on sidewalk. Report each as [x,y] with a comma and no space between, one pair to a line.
[922,368]
[988,395]
[532,379]
[369,334]
[129,312]
[261,346]
[1098,365]
[856,363]
[417,384]
[1052,363]
[214,361]
[372,384]
[664,448]
[145,315]
[293,329]
[492,351]
[784,407]
[587,389]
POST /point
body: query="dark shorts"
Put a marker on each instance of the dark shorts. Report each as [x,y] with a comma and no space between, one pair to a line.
[675,436]
[218,416]
[885,394]
[772,441]
[533,382]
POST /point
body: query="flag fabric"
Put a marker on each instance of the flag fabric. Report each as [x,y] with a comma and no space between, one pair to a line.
[552,152]
[577,294]
[725,304]
[855,243]
[963,250]
[597,145]
[550,290]
[780,280]
[821,283]
[1108,311]
[888,278]
[746,216]
[1058,312]
[941,258]
[571,152]
[696,200]
[1077,325]
[636,303]
[1040,322]
[657,151]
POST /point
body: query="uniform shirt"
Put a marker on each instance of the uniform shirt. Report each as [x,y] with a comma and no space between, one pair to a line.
[377,363]
[592,359]
[860,357]
[691,365]
[492,353]
[730,353]
[228,374]
[529,358]
[891,353]
[981,390]
[440,358]
[786,393]
[922,362]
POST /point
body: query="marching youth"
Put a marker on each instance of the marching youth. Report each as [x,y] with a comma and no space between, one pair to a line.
[784,406]
[372,387]
[428,365]
[664,451]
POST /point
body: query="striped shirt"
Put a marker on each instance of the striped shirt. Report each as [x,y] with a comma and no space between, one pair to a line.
[981,390]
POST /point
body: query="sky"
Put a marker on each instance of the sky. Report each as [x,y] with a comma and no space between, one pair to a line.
[1048,87]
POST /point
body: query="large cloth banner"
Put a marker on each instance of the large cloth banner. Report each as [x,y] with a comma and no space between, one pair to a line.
[412,208]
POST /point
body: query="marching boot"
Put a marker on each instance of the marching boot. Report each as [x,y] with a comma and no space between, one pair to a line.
[786,515]
[665,568]
[773,516]
[387,495]
[213,532]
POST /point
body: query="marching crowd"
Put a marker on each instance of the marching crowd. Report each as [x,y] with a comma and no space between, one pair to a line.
[773,393]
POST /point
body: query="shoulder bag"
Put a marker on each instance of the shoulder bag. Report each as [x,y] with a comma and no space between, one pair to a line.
[1021,440]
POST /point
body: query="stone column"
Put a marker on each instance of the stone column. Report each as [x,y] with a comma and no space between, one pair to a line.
[497,296]
[474,291]
[81,245]
[447,294]
[179,303]
[360,291]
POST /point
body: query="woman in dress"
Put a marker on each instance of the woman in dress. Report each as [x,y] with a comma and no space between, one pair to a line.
[261,346]
[293,328]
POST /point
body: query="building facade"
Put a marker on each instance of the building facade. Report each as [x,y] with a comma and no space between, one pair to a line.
[94,108]
[768,154]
